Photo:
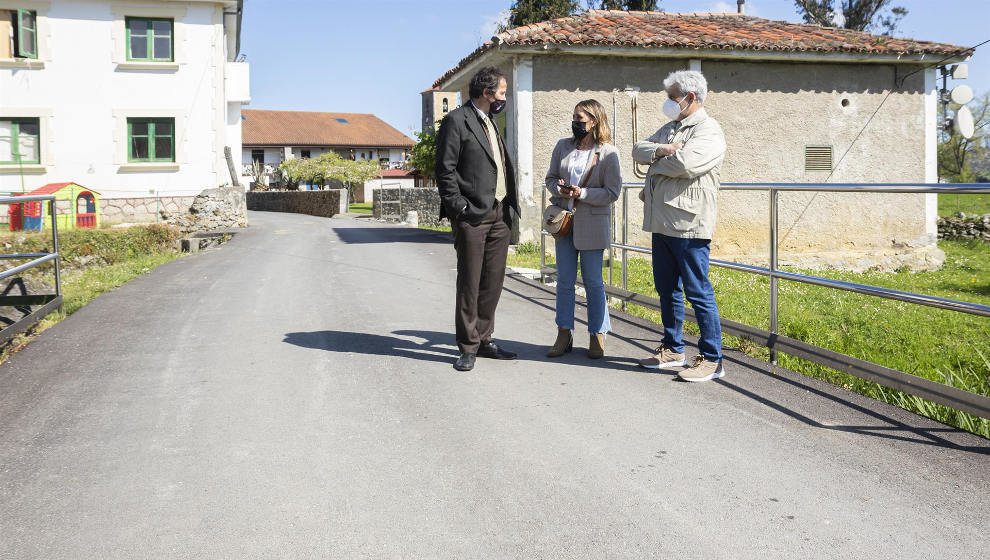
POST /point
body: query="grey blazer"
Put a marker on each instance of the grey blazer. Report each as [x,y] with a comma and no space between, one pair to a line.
[593,213]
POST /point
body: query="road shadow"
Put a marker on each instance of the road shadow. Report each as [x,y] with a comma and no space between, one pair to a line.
[434,346]
[391,235]
[877,422]
[372,344]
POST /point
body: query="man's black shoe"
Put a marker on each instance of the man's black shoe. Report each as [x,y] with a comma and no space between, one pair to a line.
[491,350]
[465,362]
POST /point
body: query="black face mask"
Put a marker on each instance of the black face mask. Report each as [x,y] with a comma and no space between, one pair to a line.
[496,107]
[577,127]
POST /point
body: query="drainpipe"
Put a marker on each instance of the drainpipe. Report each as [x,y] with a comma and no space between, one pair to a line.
[232,31]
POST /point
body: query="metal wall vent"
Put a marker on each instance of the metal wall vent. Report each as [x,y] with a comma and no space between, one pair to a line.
[818,158]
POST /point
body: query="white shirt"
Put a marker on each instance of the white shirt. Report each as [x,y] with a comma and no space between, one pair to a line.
[481,113]
[578,163]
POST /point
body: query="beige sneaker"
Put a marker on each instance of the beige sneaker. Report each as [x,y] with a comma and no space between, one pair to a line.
[663,357]
[702,370]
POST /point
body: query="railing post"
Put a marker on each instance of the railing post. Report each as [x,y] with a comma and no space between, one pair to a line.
[625,241]
[543,239]
[773,277]
[58,270]
[611,251]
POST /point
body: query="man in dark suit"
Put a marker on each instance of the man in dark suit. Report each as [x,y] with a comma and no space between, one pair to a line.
[476,180]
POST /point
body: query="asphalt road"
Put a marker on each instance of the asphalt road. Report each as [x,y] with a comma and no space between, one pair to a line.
[290,395]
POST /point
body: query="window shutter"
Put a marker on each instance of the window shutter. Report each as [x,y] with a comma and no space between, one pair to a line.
[26,34]
[818,158]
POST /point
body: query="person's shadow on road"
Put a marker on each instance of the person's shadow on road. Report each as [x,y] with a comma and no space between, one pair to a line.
[435,347]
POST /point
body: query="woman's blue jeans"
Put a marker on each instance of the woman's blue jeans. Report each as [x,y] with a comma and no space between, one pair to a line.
[594,286]
[680,269]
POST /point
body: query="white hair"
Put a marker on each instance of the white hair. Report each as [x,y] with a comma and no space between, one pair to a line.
[688,81]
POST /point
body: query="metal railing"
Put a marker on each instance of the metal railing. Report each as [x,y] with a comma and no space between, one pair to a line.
[48,302]
[918,386]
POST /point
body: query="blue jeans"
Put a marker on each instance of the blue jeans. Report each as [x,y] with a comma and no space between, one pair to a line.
[680,268]
[594,286]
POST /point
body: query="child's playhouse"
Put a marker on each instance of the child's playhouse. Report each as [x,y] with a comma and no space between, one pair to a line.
[83,211]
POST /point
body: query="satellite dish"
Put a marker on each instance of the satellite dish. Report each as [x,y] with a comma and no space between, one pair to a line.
[959,71]
[963,123]
[961,94]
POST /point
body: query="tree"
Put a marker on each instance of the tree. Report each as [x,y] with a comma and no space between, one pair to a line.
[525,12]
[965,160]
[862,15]
[330,167]
[423,156]
[628,5]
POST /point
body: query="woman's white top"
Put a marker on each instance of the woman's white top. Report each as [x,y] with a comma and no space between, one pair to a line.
[577,164]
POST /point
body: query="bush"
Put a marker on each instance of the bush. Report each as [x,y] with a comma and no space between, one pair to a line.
[108,246]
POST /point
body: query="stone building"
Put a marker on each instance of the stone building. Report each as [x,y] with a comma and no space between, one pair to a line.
[436,105]
[792,99]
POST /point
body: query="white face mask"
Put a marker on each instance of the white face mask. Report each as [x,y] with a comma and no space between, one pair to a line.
[672,109]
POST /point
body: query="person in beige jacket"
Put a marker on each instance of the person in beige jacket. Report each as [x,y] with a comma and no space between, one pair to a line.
[680,197]
[584,176]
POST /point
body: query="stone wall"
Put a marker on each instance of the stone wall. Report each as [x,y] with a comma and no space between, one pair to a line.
[326,203]
[126,210]
[965,226]
[387,204]
[140,210]
[212,209]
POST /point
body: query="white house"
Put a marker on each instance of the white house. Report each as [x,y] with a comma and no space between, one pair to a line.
[271,137]
[132,99]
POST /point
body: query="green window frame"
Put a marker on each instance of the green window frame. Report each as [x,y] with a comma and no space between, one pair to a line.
[25,33]
[18,135]
[150,140]
[150,39]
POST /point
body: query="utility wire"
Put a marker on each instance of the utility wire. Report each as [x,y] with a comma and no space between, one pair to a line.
[898,84]
[958,53]
[858,134]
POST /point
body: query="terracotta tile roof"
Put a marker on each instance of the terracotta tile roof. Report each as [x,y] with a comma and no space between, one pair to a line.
[304,128]
[701,31]
[395,173]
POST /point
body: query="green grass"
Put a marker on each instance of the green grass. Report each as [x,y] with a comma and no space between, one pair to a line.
[81,286]
[93,262]
[941,345]
[434,228]
[361,208]
[950,204]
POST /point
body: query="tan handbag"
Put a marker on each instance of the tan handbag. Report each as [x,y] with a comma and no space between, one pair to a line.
[557,220]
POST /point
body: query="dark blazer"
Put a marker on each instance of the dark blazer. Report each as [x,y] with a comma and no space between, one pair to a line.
[465,168]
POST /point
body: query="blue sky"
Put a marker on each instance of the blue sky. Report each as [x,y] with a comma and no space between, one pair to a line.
[375,57]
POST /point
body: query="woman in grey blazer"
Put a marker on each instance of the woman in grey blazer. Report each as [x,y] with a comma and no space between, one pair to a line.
[586,158]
